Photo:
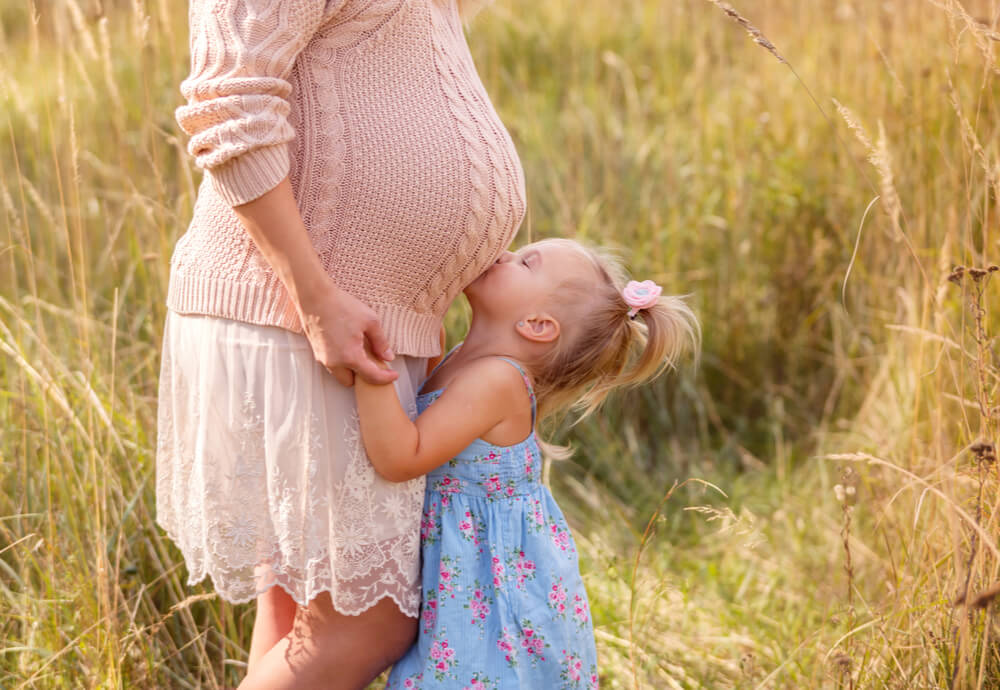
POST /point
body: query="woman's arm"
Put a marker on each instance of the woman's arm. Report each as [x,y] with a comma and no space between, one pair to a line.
[238,89]
[242,53]
[336,323]
[485,395]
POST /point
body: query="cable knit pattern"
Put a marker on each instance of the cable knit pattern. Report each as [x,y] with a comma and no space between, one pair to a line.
[407,181]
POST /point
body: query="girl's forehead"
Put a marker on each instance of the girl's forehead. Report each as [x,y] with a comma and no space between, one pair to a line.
[557,245]
[564,257]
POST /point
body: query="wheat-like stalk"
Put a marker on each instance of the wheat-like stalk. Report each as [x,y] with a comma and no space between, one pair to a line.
[756,35]
[991,169]
[983,35]
[854,125]
[880,158]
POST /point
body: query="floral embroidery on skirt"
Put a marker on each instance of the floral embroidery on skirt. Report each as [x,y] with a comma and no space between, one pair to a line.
[261,475]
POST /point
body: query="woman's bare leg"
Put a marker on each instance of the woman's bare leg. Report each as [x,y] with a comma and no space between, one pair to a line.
[273,620]
[326,649]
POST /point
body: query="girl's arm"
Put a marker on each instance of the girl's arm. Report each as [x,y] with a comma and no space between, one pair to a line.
[486,394]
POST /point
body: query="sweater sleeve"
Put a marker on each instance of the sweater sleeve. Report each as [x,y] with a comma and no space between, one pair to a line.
[242,52]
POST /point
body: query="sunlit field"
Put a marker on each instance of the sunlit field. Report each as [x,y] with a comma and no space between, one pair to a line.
[816,506]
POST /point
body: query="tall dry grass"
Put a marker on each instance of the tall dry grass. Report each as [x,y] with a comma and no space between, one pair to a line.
[834,339]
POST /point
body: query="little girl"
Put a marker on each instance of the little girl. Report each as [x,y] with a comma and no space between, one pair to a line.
[553,326]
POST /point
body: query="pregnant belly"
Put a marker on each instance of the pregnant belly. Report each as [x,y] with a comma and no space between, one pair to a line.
[439,216]
[439,191]
[419,169]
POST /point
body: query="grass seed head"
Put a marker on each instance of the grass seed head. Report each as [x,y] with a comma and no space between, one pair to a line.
[984,452]
[755,34]
[842,662]
[847,491]
[985,598]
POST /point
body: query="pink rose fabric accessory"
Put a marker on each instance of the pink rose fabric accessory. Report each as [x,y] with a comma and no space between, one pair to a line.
[640,295]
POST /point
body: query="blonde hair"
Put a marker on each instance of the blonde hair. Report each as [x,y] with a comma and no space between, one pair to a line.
[602,348]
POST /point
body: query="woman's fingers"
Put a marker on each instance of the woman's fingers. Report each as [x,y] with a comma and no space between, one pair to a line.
[373,372]
[377,340]
[344,376]
[347,338]
[359,361]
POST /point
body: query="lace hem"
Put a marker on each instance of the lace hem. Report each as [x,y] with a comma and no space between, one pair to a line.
[235,590]
[262,477]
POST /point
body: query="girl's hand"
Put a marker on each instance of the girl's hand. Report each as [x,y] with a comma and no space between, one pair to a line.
[344,332]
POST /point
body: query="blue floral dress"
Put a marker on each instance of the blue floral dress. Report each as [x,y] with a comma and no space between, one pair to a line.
[503,605]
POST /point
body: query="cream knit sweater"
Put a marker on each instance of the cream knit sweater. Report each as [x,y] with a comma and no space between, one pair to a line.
[408,183]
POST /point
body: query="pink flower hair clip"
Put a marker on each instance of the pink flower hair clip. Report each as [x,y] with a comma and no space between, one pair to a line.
[640,295]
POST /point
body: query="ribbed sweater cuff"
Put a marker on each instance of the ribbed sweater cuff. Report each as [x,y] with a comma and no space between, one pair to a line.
[250,175]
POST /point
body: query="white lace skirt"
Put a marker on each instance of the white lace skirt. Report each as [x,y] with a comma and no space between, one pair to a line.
[261,475]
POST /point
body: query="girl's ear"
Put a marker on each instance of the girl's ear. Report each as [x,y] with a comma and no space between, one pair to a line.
[538,328]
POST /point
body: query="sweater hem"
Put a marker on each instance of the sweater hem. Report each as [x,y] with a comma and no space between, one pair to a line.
[409,333]
[250,175]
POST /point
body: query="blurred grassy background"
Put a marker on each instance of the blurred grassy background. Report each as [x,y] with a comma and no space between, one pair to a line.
[659,127]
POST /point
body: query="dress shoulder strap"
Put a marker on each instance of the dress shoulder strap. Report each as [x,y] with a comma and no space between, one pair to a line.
[527,384]
[438,366]
[443,360]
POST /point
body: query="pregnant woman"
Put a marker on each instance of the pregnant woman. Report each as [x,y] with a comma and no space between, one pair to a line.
[356,179]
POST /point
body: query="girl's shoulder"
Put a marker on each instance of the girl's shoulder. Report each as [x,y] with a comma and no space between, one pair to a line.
[486,374]
[499,382]
[501,385]
[486,371]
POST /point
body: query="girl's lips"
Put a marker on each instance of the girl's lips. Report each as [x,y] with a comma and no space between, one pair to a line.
[485,273]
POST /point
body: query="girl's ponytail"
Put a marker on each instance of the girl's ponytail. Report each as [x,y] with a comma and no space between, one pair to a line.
[662,333]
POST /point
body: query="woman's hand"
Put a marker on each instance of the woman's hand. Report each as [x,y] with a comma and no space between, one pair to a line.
[342,330]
